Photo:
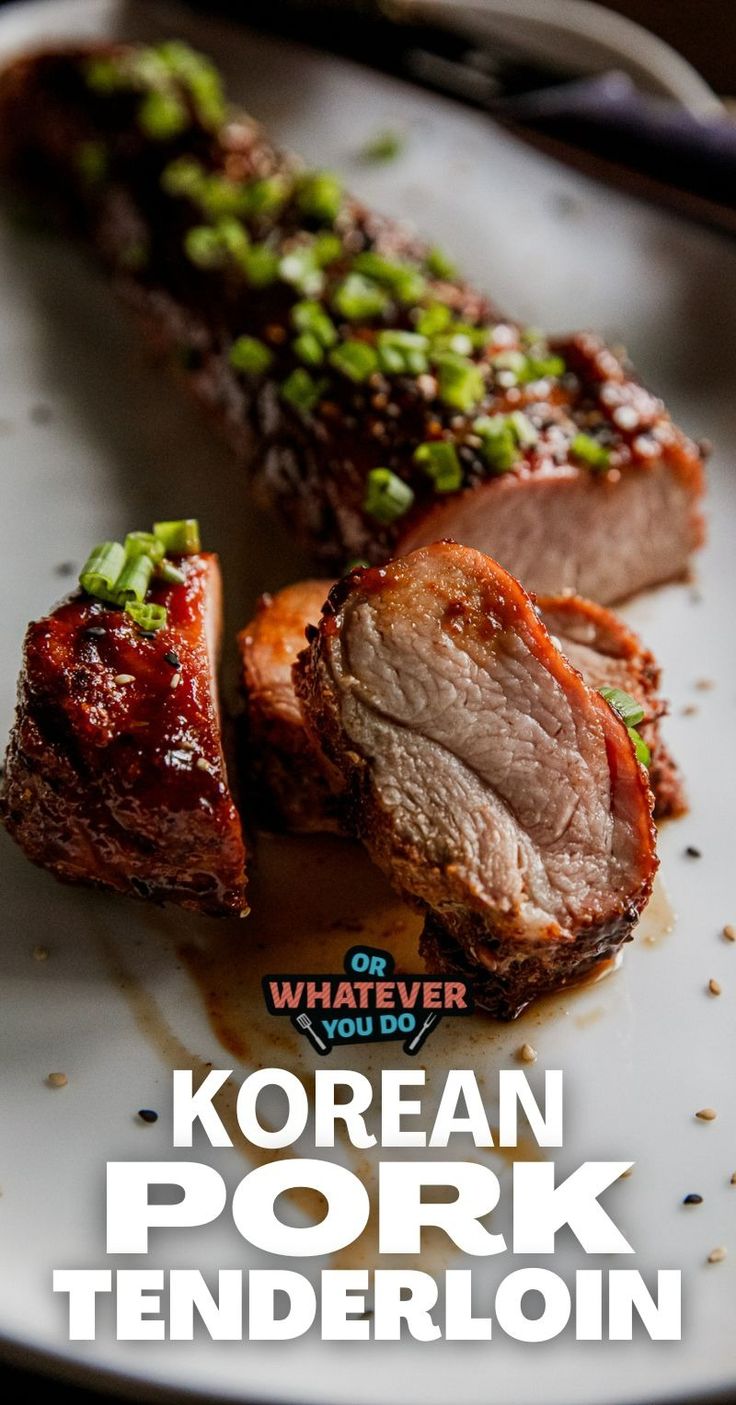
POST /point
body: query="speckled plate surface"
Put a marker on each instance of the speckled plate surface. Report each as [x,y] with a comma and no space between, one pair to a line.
[93,442]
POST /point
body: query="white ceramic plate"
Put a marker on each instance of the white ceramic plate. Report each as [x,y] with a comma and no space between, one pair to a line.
[116,1006]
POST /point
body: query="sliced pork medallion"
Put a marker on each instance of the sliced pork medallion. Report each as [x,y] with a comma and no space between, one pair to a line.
[484,776]
[280,755]
[115,774]
[290,784]
[374,399]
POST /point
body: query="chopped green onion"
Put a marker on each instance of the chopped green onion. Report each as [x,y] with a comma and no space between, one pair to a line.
[260,264]
[204,246]
[631,714]
[641,750]
[146,615]
[499,445]
[320,196]
[134,579]
[302,391]
[514,362]
[433,319]
[453,340]
[101,570]
[250,355]
[589,451]
[440,461]
[144,544]
[538,367]
[308,316]
[162,115]
[184,177]
[524,431]
[180,537]
[387,496]
[90,159]
[234,239]
[168,572]
[358,297]
[404,280]
[461,384]
[104,75]
[327,247]
[267,196]
[199,76]
[402,353]
[300,269]
[629,710]
[439,265]
[355,359]
[384,146]
[309,349]
[217,197]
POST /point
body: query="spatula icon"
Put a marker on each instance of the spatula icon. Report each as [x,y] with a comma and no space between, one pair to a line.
[304,1024]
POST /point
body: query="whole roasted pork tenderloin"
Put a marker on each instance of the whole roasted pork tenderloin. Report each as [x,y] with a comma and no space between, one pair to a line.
[115,774]
[284,770]
[491,784]
[375,400]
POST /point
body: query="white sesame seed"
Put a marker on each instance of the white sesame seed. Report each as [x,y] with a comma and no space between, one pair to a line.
[203,764]
[733,1178]
[124,678]
[716,1256]
[526,1054]
[57,1080]
[729,932]
[714,987]
[625,417]
[175,680]
[707,1114]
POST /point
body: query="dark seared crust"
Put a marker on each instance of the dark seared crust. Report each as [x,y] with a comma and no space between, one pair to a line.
[504,980]
[285,774]
[112,777]
[608,653]
[312,467]
[519,969]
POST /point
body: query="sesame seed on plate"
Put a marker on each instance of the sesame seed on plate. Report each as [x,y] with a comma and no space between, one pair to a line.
[693,1199]
[527,1054]
[729,932]
[692,853]
[733,1178]
[40,953]
[704,684]
[707,1114]
[57,1080]
[147,1114]
[716,1256]
[124,678]
[714,987]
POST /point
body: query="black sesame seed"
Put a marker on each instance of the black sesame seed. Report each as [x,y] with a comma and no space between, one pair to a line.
[693,1199]
[692,852]
[147,1114]
[171,658]
[147,633]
